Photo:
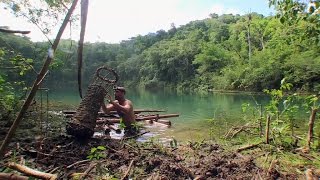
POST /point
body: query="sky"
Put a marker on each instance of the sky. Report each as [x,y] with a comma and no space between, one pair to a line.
[112,21]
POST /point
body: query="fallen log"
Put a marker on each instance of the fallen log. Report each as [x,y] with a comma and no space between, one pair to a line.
[31,172]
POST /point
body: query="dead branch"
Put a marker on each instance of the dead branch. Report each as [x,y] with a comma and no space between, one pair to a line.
[128,170]
[236,130]
[248,147]
[78,162]
[137,135]
[11,176]
[31,172]
[88,170]
[14,31]
[113,149]
[53,170]
[307,156]
[133,149]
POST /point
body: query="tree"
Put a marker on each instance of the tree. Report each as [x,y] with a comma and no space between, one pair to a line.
[293,11]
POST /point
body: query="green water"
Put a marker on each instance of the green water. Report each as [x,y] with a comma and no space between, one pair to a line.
[195,111]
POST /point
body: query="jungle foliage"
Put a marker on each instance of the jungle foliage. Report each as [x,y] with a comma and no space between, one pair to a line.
[227,52]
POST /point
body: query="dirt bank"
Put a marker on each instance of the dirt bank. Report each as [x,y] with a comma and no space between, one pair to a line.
[148,160]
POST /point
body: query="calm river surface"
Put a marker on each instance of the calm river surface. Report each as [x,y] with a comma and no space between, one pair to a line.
[195,110]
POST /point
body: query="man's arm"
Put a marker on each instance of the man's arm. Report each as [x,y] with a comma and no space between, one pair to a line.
[126,108]
[108,108]
[104,108]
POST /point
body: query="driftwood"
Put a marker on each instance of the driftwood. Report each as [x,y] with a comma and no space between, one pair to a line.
[11,176]
[38,81]
[31,172]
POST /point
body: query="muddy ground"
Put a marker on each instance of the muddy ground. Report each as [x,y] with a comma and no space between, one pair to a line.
[149,160]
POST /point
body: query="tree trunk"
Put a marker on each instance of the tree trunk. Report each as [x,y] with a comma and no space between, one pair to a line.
[311,124]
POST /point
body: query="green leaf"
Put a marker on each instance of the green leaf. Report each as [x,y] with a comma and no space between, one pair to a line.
[101,148]
[93,150]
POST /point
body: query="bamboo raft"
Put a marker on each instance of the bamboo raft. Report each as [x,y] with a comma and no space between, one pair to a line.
[107,121]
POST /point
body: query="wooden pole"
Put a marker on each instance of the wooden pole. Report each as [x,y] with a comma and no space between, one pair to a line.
[268,129]
[84,13]
[38,81]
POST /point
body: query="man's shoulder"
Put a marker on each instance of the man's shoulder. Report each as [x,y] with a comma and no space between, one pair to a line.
[128,101]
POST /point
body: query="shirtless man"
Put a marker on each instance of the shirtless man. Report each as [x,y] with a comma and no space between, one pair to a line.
[123,107]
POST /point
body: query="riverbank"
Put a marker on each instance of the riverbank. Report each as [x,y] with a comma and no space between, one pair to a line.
[122,159]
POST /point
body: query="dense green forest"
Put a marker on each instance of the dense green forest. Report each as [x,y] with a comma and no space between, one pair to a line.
[226,52]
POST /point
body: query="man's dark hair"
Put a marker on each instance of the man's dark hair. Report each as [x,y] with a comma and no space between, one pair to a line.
[119,88]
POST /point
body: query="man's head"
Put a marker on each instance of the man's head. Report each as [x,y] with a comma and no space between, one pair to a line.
[119,92]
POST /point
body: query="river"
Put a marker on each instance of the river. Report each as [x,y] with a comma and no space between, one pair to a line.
[201,116]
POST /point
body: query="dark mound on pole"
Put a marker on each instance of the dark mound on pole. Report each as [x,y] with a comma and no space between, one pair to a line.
[83,122]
